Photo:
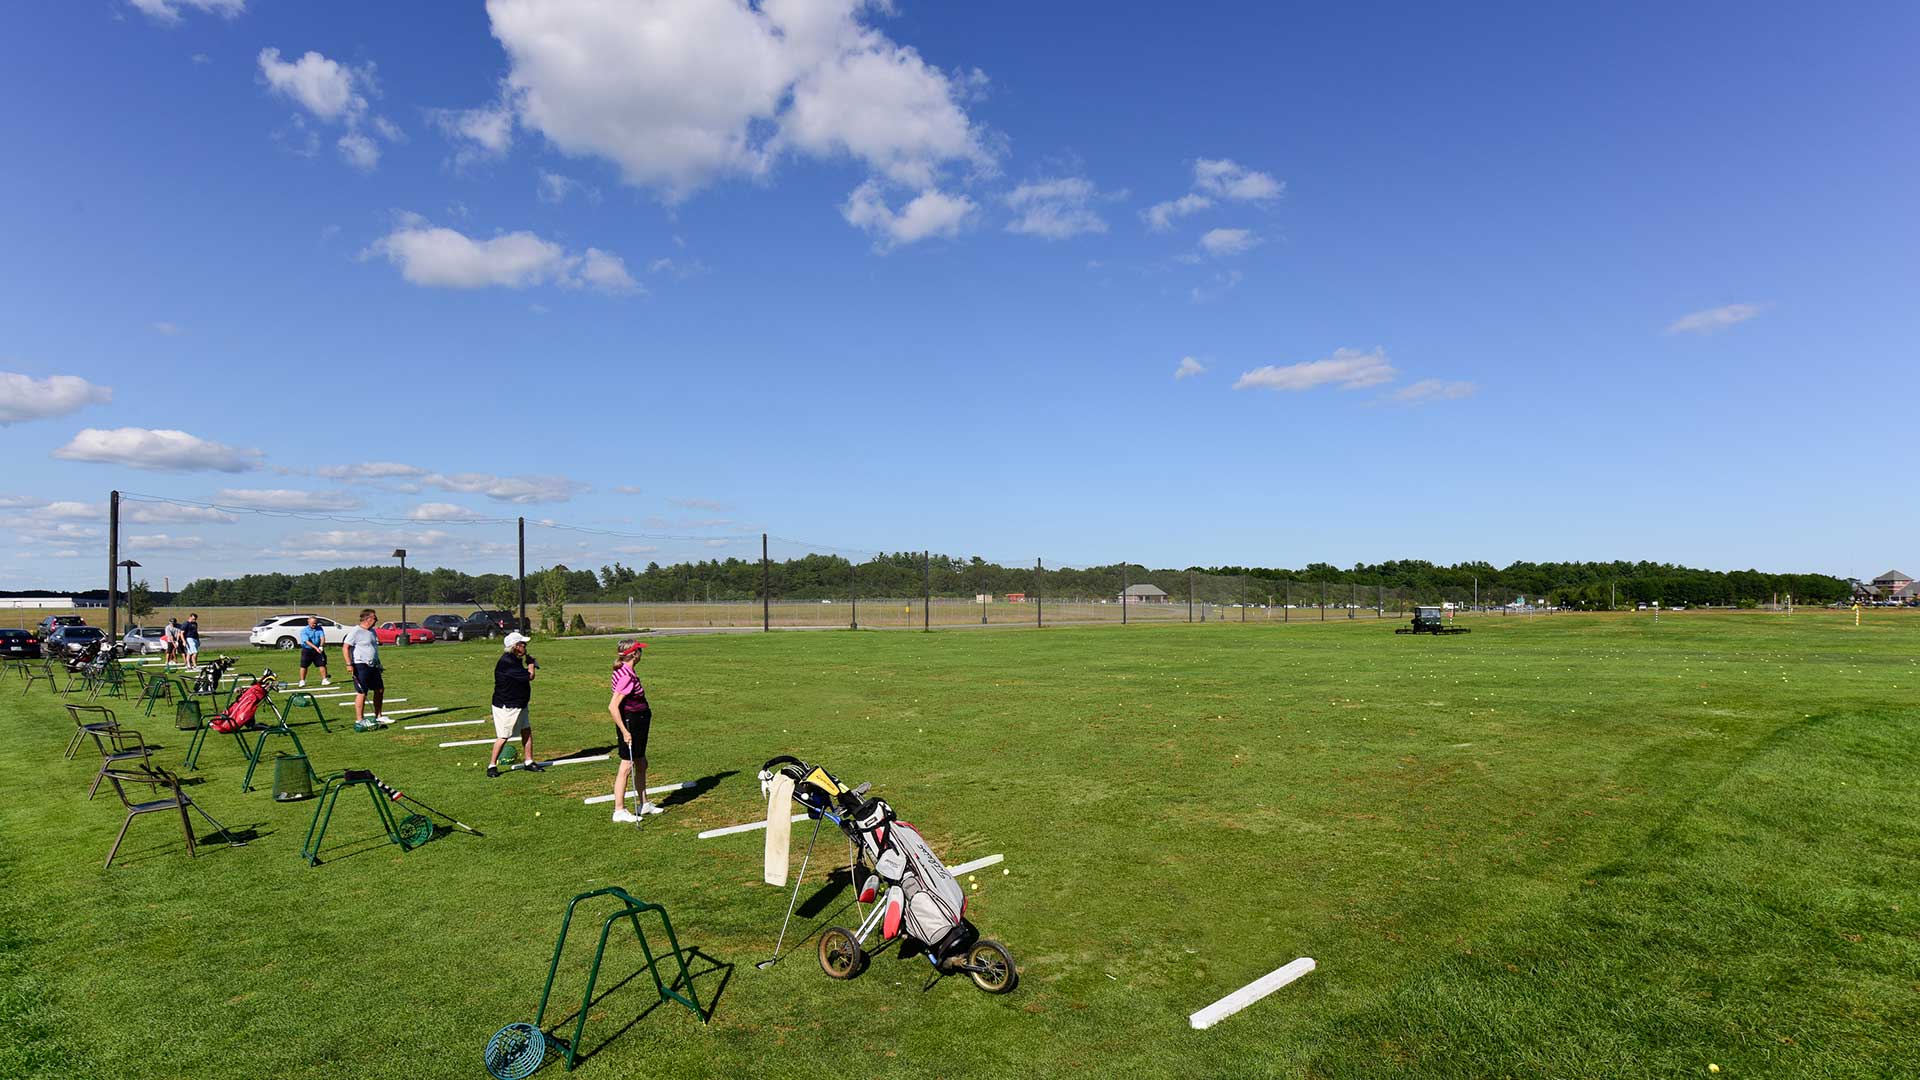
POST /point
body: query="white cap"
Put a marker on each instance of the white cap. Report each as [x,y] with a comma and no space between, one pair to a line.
[516,638]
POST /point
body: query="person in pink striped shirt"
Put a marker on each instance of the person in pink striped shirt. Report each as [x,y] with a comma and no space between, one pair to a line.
[632,717]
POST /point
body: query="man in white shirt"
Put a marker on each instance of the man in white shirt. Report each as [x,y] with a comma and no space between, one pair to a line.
[361,651]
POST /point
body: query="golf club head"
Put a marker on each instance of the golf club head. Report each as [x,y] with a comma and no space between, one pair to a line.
[767,963]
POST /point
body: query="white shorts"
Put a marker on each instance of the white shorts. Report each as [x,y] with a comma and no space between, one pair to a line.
[193,646]
[510,722]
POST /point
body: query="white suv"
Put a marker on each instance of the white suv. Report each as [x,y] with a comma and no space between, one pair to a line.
[283,631]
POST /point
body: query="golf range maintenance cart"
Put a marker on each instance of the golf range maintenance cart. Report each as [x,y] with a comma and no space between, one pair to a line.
[1431,620]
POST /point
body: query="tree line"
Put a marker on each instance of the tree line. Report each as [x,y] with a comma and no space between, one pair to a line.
[910,573]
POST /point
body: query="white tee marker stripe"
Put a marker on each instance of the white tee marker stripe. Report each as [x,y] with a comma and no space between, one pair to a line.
[1250,993]
[977,864]
[591,799]
[748,827]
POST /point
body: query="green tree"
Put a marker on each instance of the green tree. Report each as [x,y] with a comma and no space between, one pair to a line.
[139,602]
[553,600]
[506,596]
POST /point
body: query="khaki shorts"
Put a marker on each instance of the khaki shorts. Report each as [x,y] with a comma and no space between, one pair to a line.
[510,722]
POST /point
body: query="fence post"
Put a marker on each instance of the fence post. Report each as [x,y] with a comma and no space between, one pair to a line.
[1189,596]
[1243,598]
[926,590]
[630,625]
[1286,612]
[853,593]
[1038,620]
[1323,601]
[766,588]
[1123,594]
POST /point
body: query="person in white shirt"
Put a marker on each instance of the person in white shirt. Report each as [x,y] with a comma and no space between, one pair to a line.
[361,651]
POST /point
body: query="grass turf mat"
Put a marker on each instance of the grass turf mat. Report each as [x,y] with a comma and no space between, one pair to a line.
[1566,846]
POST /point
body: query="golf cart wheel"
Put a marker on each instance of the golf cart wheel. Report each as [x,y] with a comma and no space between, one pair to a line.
[840,955]
[994,972]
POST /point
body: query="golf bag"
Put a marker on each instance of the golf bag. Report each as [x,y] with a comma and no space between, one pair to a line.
[923,903]
[207,680]
[240,712]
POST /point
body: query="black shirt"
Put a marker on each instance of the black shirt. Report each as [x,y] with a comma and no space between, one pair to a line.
[512,682]
[191,629]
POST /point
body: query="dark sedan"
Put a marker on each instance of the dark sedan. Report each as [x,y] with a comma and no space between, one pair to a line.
[71,639]
[24,644]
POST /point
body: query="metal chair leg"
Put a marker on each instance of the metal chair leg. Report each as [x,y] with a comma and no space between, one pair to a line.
[115,850]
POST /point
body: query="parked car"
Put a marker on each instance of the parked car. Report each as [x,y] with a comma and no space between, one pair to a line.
[54,622]
[389,633]
[70,639]
[488,624]
[145,639]
[23,644]
[283,631]
[444,627]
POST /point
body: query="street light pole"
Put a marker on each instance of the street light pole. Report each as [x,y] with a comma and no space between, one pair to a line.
[112,626]
[401,554]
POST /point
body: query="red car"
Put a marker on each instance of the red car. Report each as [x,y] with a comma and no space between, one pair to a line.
[389,633]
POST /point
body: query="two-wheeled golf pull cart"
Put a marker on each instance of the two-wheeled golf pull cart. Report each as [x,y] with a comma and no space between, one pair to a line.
[922,905]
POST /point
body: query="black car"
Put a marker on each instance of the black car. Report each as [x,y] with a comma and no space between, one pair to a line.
[24,644]
[71,639]
[444,627]
[48,625]
[488,624]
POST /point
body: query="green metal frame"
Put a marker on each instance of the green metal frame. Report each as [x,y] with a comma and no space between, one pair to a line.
[279,727]
[323,813]
[157,688]
[301,697]
[631,909]
[113,679]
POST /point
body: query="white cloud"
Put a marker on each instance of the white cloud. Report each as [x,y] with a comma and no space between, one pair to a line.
[171,513]
[371,470]
[287,499]
[1223,242]
[700,504]
[202,58]
[161,542]
[1221,284]
[508,489]
[168,11]
[636,549]
[30,502]
[1055,209]
[1189,367]
[689,523]
[483,133]
[554,188]
[1435,390]
[1160,216]
[626,489]
[23,397]
[323,87]
[1229,180]
[359,151]
[358,543]
[334,94]
[445,258]
[1714,320]
[681,92]
[72,511]
[159,450]
[64,553]
[931,213]
[1348,369]
[439,511]
[165,329]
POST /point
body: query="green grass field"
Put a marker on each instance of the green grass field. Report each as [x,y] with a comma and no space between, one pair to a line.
[1578,846]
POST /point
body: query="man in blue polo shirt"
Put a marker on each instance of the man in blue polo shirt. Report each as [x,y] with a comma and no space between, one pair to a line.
[313,651]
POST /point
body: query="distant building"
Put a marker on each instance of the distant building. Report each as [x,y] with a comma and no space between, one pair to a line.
[1144,594]
[60,602]
[1017,598]
[1894,585]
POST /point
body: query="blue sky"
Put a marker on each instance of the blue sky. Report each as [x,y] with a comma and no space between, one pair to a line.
[1238,284]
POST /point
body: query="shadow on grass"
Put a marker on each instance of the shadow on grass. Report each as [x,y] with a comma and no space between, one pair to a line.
[695,973]
[700,787]
[214,840]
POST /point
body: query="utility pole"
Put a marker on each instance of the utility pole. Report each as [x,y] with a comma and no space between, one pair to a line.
[853,590]
[523,575]
[113,569]
[1036,594]
[1189,596]
[766,588]
[926,590]
[1123,594]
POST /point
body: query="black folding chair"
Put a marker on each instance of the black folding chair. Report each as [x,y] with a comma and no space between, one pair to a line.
[118,746]
[173,799]
[88,720]
[44,673]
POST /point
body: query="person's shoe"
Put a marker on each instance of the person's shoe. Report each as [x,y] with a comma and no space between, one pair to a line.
[650,808]
[534,766]
[383,718]
[624,816]
[493,771]
[326,682]
[302,682]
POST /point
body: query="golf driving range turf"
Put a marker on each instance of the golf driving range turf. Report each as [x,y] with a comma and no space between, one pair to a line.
[1570,846]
